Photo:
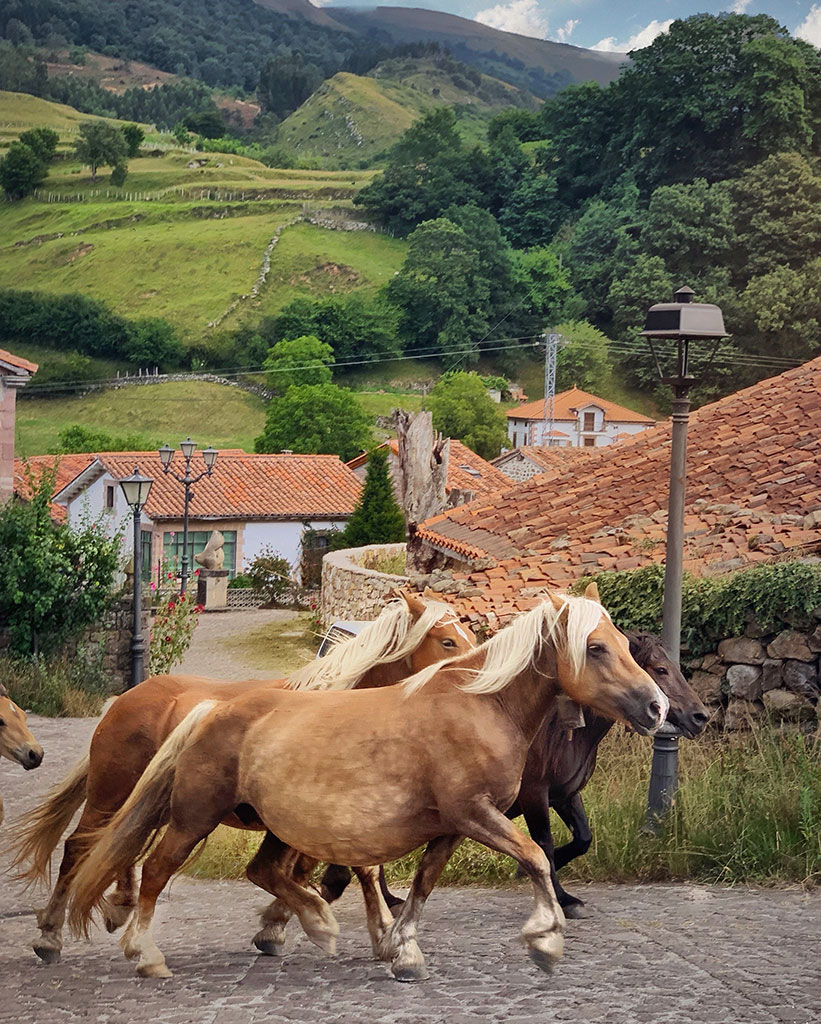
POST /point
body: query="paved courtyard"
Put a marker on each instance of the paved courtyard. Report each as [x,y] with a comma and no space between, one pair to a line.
[657,953]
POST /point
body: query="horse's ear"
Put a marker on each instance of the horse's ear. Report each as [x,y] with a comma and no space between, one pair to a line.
[555,599]
[3,691]
[592,592]
[416,606]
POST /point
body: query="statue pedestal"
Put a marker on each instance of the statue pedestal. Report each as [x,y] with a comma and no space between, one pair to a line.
[212,589]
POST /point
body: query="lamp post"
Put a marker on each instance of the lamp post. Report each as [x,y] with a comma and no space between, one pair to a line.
[136,489]
[209,456]
[681,321]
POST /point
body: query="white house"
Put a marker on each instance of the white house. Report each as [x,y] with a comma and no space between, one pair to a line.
[291,503]
[580,420]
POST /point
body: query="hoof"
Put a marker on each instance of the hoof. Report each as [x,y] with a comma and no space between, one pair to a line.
[325,941]
[153,971]
[575,911]
[410,972]
[48,954]
[546,951]
[269,948]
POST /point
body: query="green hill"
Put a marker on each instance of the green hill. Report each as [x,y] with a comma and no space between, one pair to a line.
[357,118]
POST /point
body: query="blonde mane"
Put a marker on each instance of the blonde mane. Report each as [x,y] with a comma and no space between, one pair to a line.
[514,648]
[391,637]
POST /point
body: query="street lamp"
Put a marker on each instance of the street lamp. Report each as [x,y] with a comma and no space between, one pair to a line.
[136,489]
[209,456]
[682,321]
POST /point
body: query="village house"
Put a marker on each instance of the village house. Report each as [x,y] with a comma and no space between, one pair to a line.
[15,373]
[580,420]
[290,503]
[529,460]
[753,495]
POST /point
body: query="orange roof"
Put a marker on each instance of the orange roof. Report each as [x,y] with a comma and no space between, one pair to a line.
[242,486]
[68,466]
[17,362]
[754,474]
[555,457]
[566,404]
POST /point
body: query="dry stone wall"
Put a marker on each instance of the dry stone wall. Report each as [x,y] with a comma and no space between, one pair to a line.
[352,588]
[758,675]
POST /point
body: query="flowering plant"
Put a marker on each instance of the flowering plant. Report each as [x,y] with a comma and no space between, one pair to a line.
[175,620]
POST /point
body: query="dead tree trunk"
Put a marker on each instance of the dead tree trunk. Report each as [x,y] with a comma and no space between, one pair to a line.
[422,469]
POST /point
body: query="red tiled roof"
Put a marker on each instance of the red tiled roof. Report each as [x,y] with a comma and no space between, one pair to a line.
[754,473]
[554,458]
[484,480]
[566,403]
[68,467]
[244,486]
[17,361]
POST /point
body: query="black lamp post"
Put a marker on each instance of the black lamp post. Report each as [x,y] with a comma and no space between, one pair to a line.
[682,321]
[209,456]
[136,489]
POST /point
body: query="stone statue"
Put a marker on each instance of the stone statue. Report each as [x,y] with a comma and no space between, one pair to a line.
[212,555]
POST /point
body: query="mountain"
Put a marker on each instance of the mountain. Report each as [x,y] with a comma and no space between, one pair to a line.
[356,118]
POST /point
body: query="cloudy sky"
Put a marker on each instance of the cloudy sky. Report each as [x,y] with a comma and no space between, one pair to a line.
[606,25]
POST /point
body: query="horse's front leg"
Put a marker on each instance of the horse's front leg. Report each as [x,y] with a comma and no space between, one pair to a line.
[399,944]
[573,814]
[535,807]
[380,919]
[544,930]
[270,939]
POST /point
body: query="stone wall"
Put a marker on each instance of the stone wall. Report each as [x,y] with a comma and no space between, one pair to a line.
[113,635]
[760,675]
[352,588]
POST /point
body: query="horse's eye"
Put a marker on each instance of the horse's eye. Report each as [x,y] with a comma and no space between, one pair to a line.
[448,643]
[594,650]
[661,671]
[2,723]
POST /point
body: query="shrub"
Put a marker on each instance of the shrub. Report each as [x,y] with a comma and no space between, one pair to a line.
[175,620]
[242,581]
[62,686]
[270,575]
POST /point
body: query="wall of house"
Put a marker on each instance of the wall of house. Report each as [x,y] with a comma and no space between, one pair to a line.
[91,504]
[8,399]
[605,431]
[285,537]
[351,588]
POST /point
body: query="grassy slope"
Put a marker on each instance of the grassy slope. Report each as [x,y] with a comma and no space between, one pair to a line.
[351,117]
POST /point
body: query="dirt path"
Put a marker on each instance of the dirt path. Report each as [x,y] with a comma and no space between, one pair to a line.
[261,644]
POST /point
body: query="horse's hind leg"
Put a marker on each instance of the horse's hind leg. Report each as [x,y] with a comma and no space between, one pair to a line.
[270,939]
[269,871]
[167,857]
[51,918]
[335,881]
[399,944]
[380,919]
[573,814]
[118,905]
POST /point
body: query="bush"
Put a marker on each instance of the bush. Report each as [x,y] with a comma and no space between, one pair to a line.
[175,620]
[270,575]
[75,440]
[714,608]
[242,581]
[63,687]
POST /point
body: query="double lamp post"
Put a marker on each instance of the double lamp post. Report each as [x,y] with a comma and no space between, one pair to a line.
[136,489]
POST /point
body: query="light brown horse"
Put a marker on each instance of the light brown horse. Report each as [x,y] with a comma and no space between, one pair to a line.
[16,742]
[363,777]
[409,634]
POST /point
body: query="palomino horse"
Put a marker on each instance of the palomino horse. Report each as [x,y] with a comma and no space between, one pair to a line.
[408,635]
[560,763]
[16,742]
[363,777]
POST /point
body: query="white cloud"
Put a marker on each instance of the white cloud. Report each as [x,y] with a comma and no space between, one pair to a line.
[521,16]
[637,42]
[740,6]
[566,31]
[810,27]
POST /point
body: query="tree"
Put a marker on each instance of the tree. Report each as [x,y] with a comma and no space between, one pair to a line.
[351,325]
[783,311]
[21,171]
[55,580]
[100,144]
[584,360]
[377,519]
[152,341]
[119,172]
[303,360]
[133,135]
[315,418]
[208,123]
[463,409]
[77,439]
[43,141]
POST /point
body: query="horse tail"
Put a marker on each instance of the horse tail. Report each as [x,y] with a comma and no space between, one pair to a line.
[38,831]
[132,830]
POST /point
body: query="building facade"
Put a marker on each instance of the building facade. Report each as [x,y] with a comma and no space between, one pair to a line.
[580,420]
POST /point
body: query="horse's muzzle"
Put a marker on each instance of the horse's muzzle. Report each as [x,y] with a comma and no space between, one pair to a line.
[645,710]
[29,756]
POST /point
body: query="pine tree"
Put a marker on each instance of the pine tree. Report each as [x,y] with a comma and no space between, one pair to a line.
[377,519]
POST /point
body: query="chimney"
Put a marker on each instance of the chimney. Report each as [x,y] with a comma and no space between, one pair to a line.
[14,373]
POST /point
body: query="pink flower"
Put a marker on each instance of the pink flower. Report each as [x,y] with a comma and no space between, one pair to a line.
[152,585]
[171,575]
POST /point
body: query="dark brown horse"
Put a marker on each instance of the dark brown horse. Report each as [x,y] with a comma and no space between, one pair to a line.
[559,765]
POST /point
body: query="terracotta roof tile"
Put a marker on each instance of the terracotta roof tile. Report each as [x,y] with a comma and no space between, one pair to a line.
[17,361]
[68,467]
[566,402]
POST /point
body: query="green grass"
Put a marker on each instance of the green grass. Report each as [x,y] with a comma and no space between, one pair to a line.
[231,418]
[376,404]
[289,645]
[748,812]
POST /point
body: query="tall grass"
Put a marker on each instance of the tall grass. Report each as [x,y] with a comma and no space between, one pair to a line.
[64,687]
[748,811]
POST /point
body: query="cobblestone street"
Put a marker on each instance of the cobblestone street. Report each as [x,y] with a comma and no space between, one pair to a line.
[657,953]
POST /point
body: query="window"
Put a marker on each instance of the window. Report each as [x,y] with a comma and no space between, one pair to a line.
[145,554]
[109,495]
[590,442]
[515,439]
[197,539]
[589,421]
